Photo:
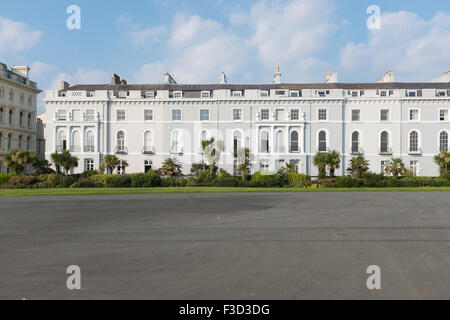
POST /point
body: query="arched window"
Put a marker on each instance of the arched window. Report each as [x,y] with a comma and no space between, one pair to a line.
[294,141]
[355,143]
[75,141]
[120,144]
[28,143]
[29,121]
[443,141]
[9,141]
[62,141]
[10,120]
[279,142]
[265,146]
[384,142]
[11,96]
[21,119]
[22,100]
[413,141]
[29,101]
[237,142]
[90,141]
[1,114]
[176,146]
[323,144]
[20,142]
[148,141]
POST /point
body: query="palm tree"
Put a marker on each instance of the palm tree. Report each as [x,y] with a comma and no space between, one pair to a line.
[395,167]
[64,160]
[42,166]
[244,163]
[212,149]
[124,164]
[171,167]
[320,161]
[443,161]
[358,166]
[19,161]
[110,162]
[333,162]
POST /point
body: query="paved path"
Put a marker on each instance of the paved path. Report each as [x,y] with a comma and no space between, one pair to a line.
[226,246]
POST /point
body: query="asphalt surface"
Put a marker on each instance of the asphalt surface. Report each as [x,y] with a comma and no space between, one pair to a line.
[226,246]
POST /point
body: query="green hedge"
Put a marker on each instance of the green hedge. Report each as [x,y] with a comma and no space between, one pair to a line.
[4,177]
[299,180]
[145,180]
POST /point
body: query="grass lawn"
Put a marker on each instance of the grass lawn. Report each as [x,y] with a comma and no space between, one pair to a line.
[61,192]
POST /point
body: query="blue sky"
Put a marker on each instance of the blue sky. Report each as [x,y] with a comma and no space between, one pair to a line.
[196,40]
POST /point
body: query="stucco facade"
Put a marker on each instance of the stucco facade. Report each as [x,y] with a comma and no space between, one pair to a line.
[280,123]
[18,100]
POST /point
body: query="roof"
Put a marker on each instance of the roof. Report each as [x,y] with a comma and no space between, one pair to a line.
[300,86]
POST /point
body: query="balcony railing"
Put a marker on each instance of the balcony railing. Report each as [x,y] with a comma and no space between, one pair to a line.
[148,150]
[121,150]
[89,148]
[417,151]
[385,152]
[75,149]
[357,151]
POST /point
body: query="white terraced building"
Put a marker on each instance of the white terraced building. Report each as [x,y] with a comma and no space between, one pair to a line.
[18,97]
[280,123]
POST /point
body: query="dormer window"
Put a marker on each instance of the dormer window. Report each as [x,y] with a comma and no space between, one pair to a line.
[322,93]
[150,94]
[91,94]
[413,93]
[178,94]
[280,92]
[206,94]
[440,93]
[236,93]
[264,93]
[295,94]
[123,94]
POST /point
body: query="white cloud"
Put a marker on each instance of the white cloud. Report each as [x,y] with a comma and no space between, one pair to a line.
[285,32]
[416,49]
[197,51]
[16,36]
[144,36]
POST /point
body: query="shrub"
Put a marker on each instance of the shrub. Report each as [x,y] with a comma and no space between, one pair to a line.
[145,180]
[299,180]
[191,182]
[374,180]
[8,186]
[23,181]
[84,183]
[4,177]
[120,181]
[325,183]
[89,173]
[230,182]
[40,185]
[269,180]
[57,180]
[103,180]
[348,182]
[167,182]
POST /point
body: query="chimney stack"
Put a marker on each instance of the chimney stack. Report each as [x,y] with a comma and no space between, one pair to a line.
[223,78]
[387,78]
[22,70]
[115,79]
[277,77]
[64,85]
[168,79]
[332,77]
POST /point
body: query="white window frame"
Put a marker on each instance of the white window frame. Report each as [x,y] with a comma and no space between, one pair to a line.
[388,113]
[88,163]
[264,93]
[122,94]
[360,142]
[205,94]
[124,113]
[240,114]
[389,146]
[172,115]
[87,144]
[150,94]
[58,118]
[153,115]
[439,140]
[296,94]
[327,140]
[298,114]
[419,141]
[418,114]
[359,115]
[179,149]
[414,166]
[177,94]
[268,114]
[86,113]
[299,148]
[237,93]
[445,111]
[327,114]
[152,141]
[209,114]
